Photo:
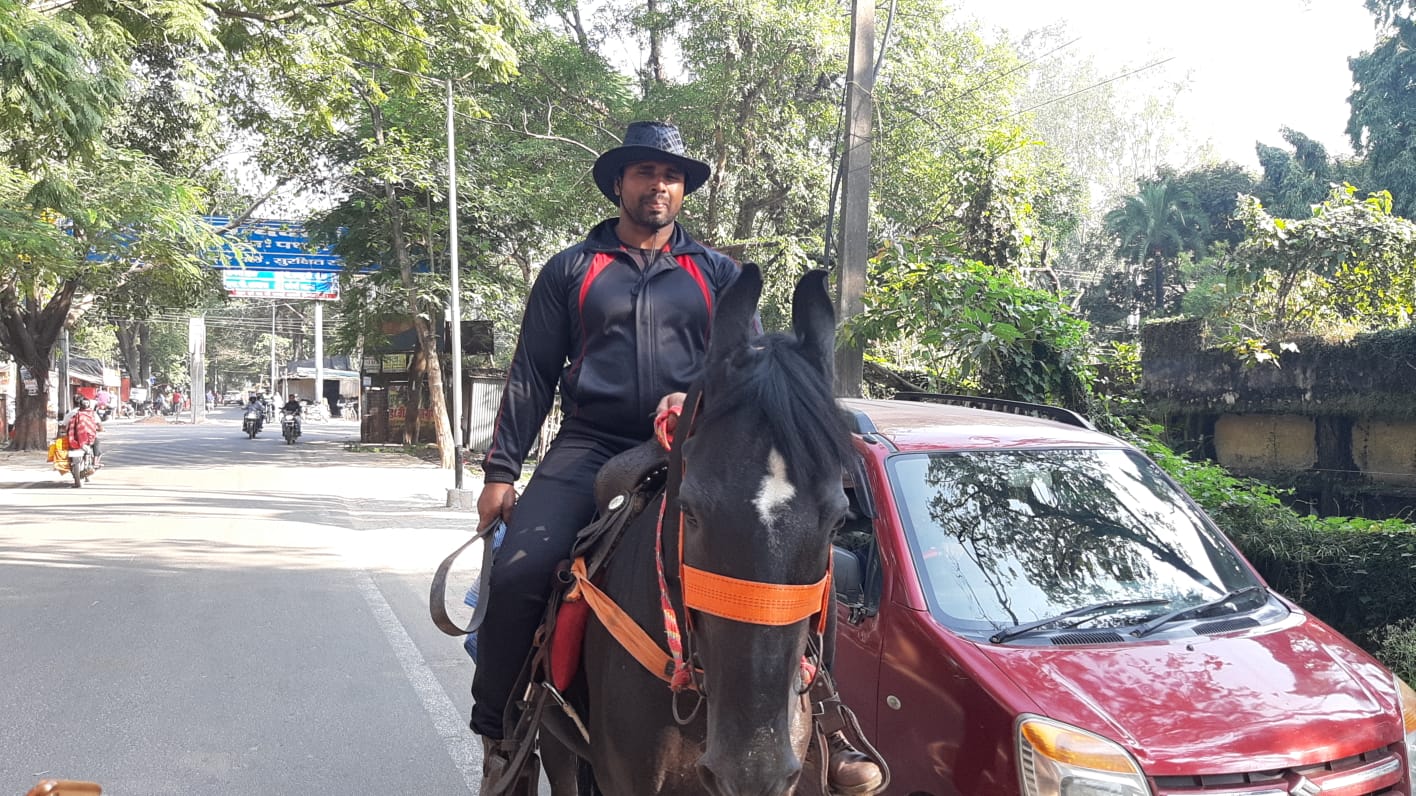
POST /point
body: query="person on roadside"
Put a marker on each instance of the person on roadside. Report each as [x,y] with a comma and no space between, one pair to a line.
[621,322]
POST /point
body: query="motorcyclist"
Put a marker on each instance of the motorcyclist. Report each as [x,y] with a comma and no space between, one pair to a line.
[83,429]
[294,408]
[257,404]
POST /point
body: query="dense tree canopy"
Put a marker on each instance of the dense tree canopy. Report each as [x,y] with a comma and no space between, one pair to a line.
[1382,126]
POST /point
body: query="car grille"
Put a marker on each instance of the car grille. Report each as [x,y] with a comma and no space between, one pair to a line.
[1374,773]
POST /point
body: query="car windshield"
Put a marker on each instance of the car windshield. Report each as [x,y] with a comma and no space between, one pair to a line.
[1006,537]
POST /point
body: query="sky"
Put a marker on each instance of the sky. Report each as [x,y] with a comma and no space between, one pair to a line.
[1255,66]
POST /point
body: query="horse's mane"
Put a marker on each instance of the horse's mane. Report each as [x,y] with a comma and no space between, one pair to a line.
[774,379]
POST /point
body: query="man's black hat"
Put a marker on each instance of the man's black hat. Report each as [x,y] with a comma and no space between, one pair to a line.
[649,141]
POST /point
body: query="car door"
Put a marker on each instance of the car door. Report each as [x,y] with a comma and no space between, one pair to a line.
[858,637]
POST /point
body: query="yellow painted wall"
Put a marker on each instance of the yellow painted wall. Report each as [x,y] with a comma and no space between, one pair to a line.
[1265,443]
[1386,450]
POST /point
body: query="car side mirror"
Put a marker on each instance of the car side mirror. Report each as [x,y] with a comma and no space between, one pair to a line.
[847,575]
[65,787]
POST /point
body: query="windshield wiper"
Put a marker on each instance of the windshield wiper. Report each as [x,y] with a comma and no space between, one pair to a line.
[1086,610]
[1195,610]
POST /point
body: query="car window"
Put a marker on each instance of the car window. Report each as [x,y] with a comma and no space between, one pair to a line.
[1003,537]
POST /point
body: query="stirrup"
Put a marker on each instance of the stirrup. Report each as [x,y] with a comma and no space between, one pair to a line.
[831,716]
[513,778]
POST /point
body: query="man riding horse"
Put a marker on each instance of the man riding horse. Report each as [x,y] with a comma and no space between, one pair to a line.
[620,321]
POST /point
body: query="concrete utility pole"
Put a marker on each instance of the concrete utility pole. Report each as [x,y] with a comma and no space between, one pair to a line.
[196,367]
[271,391]
[457,497]
[62,399]
[319,355]
[855,191]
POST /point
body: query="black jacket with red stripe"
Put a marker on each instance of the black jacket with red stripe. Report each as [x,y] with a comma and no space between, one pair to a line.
[616,339]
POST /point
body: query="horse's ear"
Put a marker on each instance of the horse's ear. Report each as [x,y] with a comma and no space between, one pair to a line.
[732,321]
[814,319]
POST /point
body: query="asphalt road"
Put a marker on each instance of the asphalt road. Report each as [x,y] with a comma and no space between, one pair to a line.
[217,615]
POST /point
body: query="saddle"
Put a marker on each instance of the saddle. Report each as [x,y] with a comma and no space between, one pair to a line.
[625,486]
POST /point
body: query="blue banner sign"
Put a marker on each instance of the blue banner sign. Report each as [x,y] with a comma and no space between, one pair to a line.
[280,284]
[275,246]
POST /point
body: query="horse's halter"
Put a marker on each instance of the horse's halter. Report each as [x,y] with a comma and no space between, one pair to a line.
[747,601]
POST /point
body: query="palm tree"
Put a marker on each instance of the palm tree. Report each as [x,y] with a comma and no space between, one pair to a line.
[1154,225]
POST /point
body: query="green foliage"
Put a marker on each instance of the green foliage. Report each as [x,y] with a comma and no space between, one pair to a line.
[1295,181]
[1213,193]
[1347,268]
[1003,337]
[1153,227]
[60,78]
[1382,125]
[1396,647]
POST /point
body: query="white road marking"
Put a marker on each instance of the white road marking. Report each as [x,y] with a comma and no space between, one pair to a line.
[447,722]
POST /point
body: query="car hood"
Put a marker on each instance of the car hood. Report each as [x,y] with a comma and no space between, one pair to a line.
[1269,699]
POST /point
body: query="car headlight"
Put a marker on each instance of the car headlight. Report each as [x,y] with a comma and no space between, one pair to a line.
[1407,698]
[1055,759]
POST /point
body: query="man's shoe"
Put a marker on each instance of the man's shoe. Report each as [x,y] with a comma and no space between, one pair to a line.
[496,761]
[496,758]
[849,771]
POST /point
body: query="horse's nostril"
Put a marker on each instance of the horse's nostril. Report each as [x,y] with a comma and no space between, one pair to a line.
[728,785]
[710,781]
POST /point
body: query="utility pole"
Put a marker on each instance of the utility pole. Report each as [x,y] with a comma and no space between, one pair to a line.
[62,400]
[196,366]
[855,191]
[271,391]
[456,497]
[319,356]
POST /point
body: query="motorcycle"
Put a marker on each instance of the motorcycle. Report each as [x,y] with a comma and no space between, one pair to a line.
[289,426]
[104,411]
[253,421]
[75,462]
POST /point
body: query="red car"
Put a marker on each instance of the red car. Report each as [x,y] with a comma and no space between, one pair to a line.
[1028,606]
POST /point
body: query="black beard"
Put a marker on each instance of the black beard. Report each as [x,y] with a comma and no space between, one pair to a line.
[643,219]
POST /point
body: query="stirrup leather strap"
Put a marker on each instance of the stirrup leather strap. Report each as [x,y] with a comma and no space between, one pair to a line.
[625,630]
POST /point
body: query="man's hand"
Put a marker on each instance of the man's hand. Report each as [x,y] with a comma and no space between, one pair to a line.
[495,502]
[666,417]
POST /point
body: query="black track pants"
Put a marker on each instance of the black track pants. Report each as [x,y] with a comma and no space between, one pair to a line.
[557,503]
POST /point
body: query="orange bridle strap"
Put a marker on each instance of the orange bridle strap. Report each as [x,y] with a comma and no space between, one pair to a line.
[755,602]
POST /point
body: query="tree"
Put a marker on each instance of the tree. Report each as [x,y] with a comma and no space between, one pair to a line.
[1382,125]
[101,226]
[1294,181]
[1214,191]
[1346,268]
[1153,226]
[1003,337]
[344,106]
[81,216]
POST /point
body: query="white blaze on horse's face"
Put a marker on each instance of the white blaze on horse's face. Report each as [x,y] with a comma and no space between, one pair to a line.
[776,491]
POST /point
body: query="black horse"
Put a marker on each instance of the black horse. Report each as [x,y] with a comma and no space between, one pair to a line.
[760,495]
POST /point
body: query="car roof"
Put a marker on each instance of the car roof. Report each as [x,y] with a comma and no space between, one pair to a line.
[924,425]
